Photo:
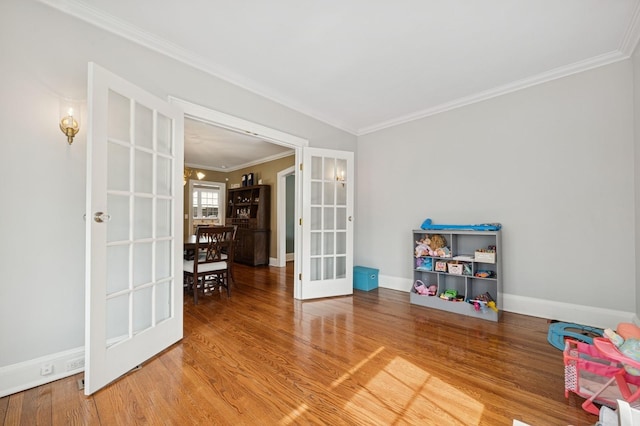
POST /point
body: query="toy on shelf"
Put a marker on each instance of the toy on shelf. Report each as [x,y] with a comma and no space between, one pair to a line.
[429,225]
[422,247]
[484,300]
[485,274]
[424,263]
[434,245]
[451,295]
[424,290]
[438,246]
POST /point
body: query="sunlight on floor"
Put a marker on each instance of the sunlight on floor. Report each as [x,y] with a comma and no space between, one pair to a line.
[403,392]
[403,387]
[349,373]
[293,416]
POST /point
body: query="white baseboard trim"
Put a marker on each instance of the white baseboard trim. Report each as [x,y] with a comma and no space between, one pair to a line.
[26,375]
[394,283]
[274,261]
[560,311]
[567,312]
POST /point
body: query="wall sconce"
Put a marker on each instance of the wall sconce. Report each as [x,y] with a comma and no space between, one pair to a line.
[188,173]
[340,177]
[69,119]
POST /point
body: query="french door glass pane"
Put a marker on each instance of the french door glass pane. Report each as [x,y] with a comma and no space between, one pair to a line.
[142,305]
[144,172]
[341,267]
[316,193]
[341,218]
[142,214]
[328,243]
[316,244]
[163,260]
[329,193]
[341,194]
[118,276]
[142,261]
[163,218]
[329,168]
[118,225]
[316,168]
[118,170]
[117,318]
[329,221]
[316,218]
[144,127]
[341,243]
[163,301]
[316,271]
[119,117]
[163,178]
[328,268]
[163,130]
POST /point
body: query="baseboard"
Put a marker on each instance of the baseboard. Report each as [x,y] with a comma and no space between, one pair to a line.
[394,283]
[25,375]
[567,312]
[274,261]
[560,311]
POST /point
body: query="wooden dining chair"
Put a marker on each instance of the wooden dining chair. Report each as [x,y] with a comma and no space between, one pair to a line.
[211,266]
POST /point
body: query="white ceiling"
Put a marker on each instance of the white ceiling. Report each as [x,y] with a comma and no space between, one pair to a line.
[214,148]
[363,65]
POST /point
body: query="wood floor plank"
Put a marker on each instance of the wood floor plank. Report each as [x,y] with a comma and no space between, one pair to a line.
[262,357]
[70,406]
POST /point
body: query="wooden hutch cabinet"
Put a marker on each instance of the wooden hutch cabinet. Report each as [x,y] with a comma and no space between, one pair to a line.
[249,208]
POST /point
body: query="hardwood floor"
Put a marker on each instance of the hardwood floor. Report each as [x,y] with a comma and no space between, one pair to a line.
[263,358]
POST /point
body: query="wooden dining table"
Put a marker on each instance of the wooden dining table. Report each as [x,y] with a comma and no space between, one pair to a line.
[190,243]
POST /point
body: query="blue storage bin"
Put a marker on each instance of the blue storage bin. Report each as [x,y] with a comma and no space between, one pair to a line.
[365,278]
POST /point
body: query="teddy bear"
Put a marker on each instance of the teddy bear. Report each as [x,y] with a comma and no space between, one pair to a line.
[438,246]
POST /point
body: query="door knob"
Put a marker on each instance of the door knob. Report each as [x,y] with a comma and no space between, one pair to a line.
[101,217]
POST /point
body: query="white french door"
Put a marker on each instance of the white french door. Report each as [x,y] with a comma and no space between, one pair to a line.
[133,306]
[327,224]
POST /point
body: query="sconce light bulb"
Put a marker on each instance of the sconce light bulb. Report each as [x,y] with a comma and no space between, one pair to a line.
[69,127]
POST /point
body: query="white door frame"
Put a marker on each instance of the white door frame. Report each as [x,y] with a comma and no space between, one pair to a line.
[281,243]
[216,118]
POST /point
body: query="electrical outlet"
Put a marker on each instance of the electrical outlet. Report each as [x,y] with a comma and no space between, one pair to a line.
[75,364]
[46,369]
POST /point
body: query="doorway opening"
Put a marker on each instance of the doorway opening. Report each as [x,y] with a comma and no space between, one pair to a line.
[241,126]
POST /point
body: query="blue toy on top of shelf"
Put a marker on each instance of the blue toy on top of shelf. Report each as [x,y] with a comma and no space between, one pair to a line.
[429,225]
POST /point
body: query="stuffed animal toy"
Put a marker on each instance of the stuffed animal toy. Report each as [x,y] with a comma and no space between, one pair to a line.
[422,247]
[437,245]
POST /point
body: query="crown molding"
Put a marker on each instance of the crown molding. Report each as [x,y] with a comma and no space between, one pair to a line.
[128,31]
[544,77]
[241,166]
[631,36]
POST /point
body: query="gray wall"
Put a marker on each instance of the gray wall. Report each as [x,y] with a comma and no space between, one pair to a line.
[553,163]
[42,190]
